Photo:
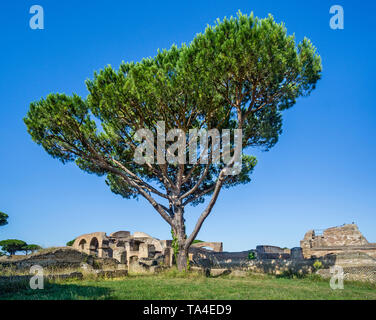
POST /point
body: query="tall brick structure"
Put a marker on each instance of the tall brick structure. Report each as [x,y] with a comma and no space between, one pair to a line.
[336,240]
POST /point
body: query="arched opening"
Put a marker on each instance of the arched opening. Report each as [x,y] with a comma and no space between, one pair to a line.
[82,244]
[94,246]
[133,259]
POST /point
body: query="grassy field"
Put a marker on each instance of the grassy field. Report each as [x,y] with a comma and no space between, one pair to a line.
[174,286]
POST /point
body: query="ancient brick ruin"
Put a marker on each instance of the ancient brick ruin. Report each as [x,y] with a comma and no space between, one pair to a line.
[346,238]
[122,252]
[139,246]
[343,245]
[123,246]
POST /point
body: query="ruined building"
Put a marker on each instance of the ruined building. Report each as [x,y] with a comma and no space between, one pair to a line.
[124,247]
[346,238]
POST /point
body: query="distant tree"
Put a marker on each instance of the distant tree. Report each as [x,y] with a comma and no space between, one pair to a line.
[238,75]
[3,218]
[31,247]
[70,243]
[12,245]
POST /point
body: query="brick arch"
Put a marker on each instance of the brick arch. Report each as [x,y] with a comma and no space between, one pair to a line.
[84,243]
[216,246]
[94,246]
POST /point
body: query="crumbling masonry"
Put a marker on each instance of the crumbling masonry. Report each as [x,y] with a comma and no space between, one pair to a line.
[124,247]
[140,250]
[346,238]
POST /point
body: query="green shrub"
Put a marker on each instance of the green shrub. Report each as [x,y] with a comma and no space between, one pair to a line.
[251,256]
[70,243]
[317,265]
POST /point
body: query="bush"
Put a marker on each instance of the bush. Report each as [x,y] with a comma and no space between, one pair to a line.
[251,256]
[317,265]
[70,243]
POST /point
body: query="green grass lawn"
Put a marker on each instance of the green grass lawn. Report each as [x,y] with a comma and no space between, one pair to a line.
[174,286]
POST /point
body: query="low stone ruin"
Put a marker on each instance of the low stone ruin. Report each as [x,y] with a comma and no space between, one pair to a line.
[343,246]
[140,251]
[57,259]
[126,248]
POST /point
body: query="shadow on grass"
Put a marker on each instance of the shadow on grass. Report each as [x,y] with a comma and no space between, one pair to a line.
[55,291]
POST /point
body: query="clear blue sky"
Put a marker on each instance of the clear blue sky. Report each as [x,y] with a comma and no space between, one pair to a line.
[322,172]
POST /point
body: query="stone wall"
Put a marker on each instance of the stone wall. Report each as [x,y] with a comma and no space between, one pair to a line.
[272,252]
[240,261]
[356,265]
[269,249]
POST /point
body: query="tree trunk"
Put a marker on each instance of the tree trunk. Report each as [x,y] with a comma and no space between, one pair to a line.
[181,238]
[182,259]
